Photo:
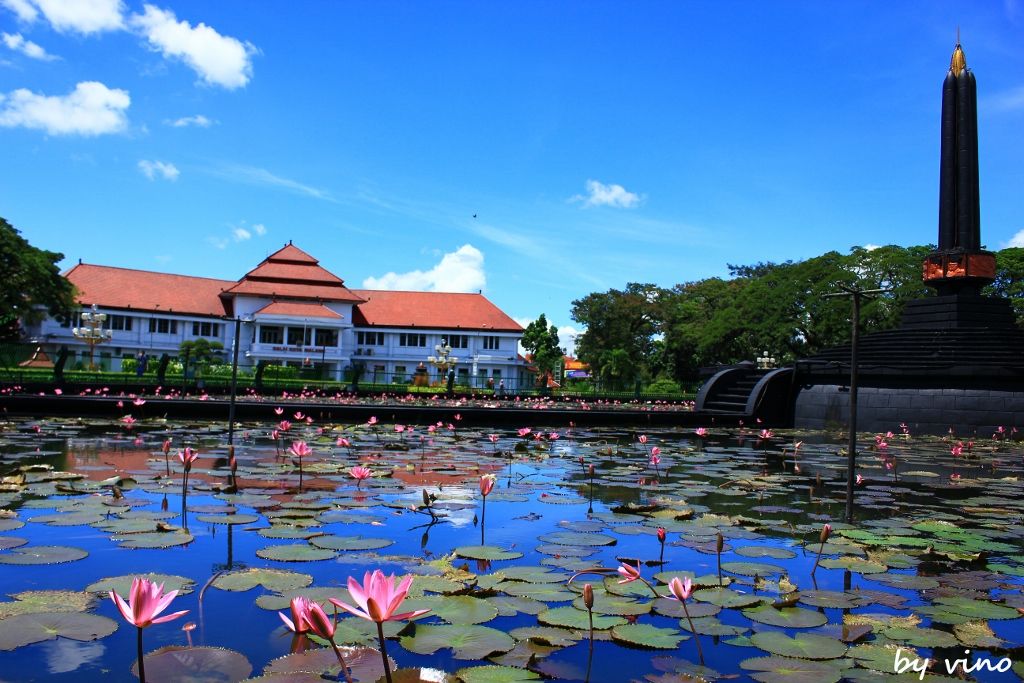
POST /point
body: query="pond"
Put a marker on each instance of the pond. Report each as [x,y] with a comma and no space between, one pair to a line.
[930,570]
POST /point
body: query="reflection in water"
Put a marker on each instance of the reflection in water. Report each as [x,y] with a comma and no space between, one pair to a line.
[63,655]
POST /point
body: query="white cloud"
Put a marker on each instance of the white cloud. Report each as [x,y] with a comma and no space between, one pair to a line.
[259,229]
[871,247]
[253,175]
[218,242]
[219,60]
[1017,240]
[17,42]
[197,120]
[90,109]
[152,169]
[459,271]
[240,234]
[77,16]
[566,336]
[23,8]
[599,194]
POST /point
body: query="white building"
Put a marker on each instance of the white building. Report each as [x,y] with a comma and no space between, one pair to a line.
[293,312]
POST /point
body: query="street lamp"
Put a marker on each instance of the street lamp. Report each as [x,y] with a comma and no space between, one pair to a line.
[766,362]
[443,361]
[93,333]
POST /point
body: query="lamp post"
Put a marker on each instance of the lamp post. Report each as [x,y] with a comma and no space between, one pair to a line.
[443,361]
[93,333]
[234,379]
[765,362]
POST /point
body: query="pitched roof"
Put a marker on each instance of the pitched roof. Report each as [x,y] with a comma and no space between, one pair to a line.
[295,309]
[438,310]
[126,288]
[292,273]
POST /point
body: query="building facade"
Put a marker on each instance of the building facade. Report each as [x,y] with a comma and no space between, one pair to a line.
[293,312]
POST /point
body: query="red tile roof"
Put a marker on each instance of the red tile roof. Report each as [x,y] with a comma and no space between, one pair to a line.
[291,272]
[298,310]
[439,310]
[144,290]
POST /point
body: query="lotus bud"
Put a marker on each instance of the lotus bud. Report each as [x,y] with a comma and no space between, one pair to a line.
[588,595]
[719,542]
[661,534]
[826,531]
[426,498]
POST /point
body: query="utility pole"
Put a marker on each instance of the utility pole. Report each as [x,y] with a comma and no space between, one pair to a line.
[851,447]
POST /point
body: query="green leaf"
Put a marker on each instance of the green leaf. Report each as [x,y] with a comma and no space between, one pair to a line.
[25,629]
[645,635]
[466,642]
[803,645]
[486,552]
[495,674]
[298,552]
[272,579]
[570,617]
[455,609]
[350,542]
[177,663]
[787,617]
[42,554]
[786,670]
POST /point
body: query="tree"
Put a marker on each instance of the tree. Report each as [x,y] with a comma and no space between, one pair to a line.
[541,341]
[32,284]
[201,352]
[624,321]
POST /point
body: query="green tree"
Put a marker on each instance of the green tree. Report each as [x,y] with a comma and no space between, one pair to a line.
[32,284]
[618,321]
[1010,279]
[541,341]
[201,352]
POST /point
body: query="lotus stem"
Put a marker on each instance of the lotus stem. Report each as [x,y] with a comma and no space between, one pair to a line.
[818,558]
[696,639]
[341,660]
[483,518]
[142,663]
[383,650]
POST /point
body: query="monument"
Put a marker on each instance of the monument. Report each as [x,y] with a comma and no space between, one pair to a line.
[957,359]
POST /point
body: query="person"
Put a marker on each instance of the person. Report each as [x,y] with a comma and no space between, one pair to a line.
[501,387]
[141,361]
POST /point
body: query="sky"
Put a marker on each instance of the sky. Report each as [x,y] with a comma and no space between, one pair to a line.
[535,151]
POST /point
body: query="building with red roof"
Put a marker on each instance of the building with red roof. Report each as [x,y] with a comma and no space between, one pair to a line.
[294,312]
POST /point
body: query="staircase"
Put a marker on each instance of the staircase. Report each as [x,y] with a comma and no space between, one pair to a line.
[728,391]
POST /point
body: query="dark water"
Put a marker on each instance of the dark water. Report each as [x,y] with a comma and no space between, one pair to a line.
[933,549]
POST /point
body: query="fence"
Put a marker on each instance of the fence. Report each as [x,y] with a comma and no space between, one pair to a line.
[213,375]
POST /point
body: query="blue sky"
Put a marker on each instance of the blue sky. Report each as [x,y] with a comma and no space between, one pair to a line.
[596,143]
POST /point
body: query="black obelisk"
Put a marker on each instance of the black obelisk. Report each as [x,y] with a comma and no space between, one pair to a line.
[959,265]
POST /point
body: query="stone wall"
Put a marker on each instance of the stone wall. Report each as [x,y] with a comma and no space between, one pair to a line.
[925,411]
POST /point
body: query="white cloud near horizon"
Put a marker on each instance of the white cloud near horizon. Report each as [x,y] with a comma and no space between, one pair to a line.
[566,335]
[90,109]
[218,59]
[459,271]
[71,16]
[600,194]
[1017,240]
[18,43]
[185,121]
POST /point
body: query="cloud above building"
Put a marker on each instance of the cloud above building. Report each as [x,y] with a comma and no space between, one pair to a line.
[159,169]
[459,271]
[611,195]
[71,16]
[90,109]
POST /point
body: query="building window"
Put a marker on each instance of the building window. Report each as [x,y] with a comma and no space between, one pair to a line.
[120,322]
[370,338]
[458,341]
[163,326]
[491,343]
[298,336]
[205,329]
[326,337]
[410,339]
[399,376]
[271,334]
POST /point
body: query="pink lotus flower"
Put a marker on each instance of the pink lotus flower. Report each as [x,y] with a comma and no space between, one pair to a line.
[300,449]
[628,573]
[642,438]
[493,438]
[275,435]
[523,431]
[457,416]
[299,416]
[139,402]
[342,441]
[681,590]
[378,598]
[299,608]
[957,450]
[554,436]
[57,392]
[955,477]
[166,447]
[372,421]
[701,431]
[399,428]
[661,534]
[279,411]
[146,600]
[128,420]
[359,473]
[284,426]
[487,482]
[767,434]
[187,456]
[859,480]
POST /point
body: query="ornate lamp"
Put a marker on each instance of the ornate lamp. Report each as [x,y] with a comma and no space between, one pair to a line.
[92,332]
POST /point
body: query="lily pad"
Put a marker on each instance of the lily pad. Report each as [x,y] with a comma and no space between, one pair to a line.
[46,601]
[788,670]
[570,617]
[486,552]
[176,663]
[764,551]
[803,645]
[495,674]
[156,539]
[466,642]
[42,554]
[573,538]
[752,568]
[455,609]
[228,519]
[272,579]
[647,636]
[331,542]
[365,664]
[296,552]
[122,584]
[787,617]
[24,629]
